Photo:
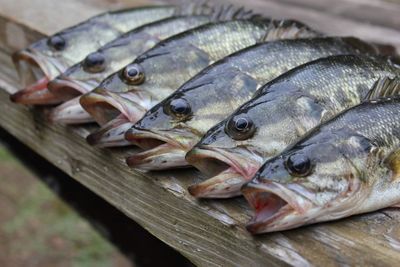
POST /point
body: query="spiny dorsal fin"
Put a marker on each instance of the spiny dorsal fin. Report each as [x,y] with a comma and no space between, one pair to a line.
[370,48]
[384,87]
[393,162]
[289,29]
[216,12]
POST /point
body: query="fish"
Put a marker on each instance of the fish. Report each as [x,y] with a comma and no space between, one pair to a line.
[163,69]
[45,59]
[89,73]
[280,112]
[217,91]
[348,165]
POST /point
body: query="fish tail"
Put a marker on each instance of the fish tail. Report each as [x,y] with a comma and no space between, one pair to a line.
[288,29]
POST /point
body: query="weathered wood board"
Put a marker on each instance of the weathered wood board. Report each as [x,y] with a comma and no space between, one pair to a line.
[209,233]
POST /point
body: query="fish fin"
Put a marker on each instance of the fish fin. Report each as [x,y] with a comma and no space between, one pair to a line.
[384,87]
[370,48]
[217,12]
[393,162]
[288,29]
[395,205]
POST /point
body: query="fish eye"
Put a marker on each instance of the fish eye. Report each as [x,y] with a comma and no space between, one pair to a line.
[57,42]
[94,62]
[180,107]
[240,127]
[298,165]
[133,74]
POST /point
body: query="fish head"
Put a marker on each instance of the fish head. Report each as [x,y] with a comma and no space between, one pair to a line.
[322,177]
[145,82]
[255,132]
[165,134]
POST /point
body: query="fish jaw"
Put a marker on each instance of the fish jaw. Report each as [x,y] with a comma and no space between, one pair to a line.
[70,112]
[112,134]
[228,172]
[277,207]
[105,106]
[163,149]
[227,184]
[35,73]
[68,88]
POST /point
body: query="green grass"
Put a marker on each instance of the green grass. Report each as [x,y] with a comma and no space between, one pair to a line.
[45,226]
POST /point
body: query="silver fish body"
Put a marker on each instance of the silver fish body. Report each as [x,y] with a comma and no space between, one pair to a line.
[282,111]
[218,90]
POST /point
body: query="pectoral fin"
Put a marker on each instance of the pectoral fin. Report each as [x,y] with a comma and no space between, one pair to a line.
[393,162]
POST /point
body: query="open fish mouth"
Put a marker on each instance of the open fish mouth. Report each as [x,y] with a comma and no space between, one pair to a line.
[276,207]
[68,88]
[112,134]
[35,74]
[70,112]
[105,106]
[227,171]
[163,149]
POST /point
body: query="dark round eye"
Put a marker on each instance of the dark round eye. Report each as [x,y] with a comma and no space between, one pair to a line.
[133,74]
[180,107]
[57,42]
[298,165]
[240,127]
[94,62]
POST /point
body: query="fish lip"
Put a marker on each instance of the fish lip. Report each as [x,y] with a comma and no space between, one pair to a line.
[101,137]
[268,219]
[35,73]
[221,166]
[100,101]
[28,58]
[157,150]
[65,86]
[70,112]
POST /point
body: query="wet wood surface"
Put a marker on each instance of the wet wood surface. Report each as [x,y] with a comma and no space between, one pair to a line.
[209,233]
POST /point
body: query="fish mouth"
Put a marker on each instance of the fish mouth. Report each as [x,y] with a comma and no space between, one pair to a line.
[105,106]
[276,207]
[227,171]
[35,74]
[70,112]
[162,149]
[68,88]
[112,134]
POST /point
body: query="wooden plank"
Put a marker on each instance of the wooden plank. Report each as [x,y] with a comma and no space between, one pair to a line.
[207,232]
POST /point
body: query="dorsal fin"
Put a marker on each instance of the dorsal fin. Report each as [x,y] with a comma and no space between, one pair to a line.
[384,87]
[216,12]
[370,48]
[288,29]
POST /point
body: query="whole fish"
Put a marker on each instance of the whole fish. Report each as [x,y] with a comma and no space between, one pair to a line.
[216,92]
[164,68]
[281,111]
[48,57]
[348,165]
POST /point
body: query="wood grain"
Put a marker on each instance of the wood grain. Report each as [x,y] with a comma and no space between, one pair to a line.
[209,233]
